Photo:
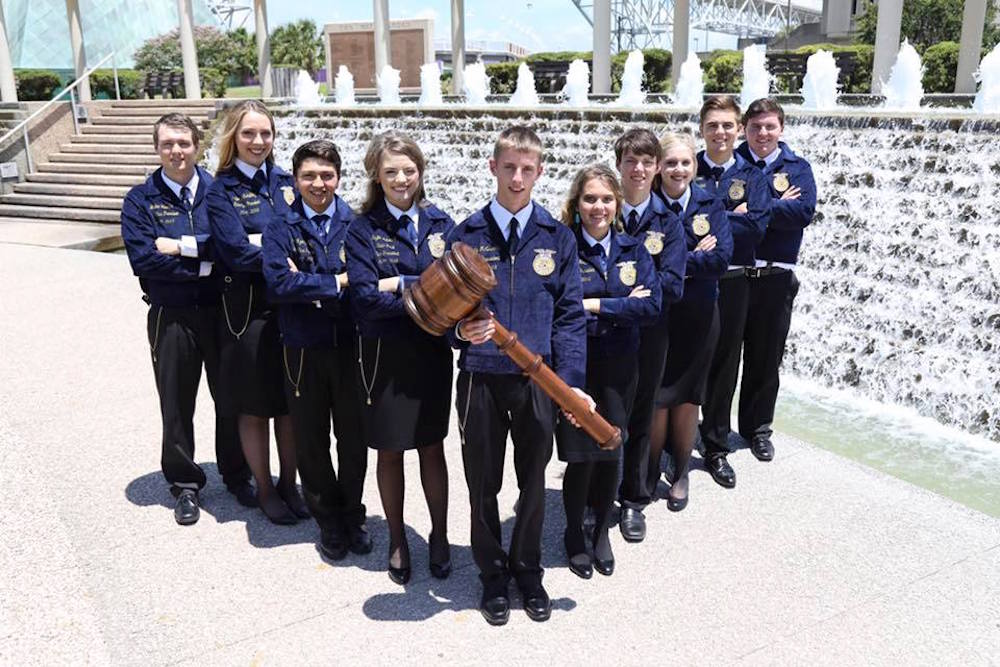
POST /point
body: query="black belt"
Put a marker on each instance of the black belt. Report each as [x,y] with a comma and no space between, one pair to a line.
[759,271]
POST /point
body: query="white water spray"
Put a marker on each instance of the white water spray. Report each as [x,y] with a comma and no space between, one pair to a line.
[577,84]
[525,94]
[691,84]
[819,87]
[905,87]
[632,94]
[756,78]
[387,83]
[477,84]
[988,97]
[344,87]
[306,90]
[430,85]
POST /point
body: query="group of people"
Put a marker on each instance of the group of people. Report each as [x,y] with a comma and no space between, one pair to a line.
[641,295]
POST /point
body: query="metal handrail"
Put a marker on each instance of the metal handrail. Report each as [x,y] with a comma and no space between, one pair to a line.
[71,89]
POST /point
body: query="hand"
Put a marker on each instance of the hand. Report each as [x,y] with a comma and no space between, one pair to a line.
[792,193]
[478,330]
[388,284]
[590,405]
[741,209]
[255,239]
[291,266]
[167,246]
[592,305]
[342,281]
[706,244]
[639,292]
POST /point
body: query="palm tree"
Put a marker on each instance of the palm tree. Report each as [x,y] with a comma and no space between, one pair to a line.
[298,45]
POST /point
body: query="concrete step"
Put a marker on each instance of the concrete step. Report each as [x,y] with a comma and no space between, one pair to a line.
[50,213]
[149,160]
[112,149]
[123,120]
[84,179]
[72,189]
[163,103]
[114,139]
[55,201]
[155,112]
[16,115]
[146,130]
[73,168]
[75,235]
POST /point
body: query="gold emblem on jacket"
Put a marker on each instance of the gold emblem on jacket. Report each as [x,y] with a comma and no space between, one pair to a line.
[654,243]
[288,192]
[780,181]
[544,263]
[627,273]
[737,189]
[700,225]
[436,244]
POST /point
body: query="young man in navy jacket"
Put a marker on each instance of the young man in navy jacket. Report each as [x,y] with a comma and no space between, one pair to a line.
[743,191]
[773,284]
[538,296]
[304,267]
[166,234]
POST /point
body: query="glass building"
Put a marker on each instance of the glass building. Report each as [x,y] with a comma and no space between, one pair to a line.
[38,30]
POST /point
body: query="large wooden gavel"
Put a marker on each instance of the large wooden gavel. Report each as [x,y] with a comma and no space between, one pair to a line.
[451,290]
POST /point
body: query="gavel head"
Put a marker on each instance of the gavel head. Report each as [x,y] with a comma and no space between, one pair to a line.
[449,290]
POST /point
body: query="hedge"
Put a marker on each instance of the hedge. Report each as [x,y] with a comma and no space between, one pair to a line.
[940,67]
[129,83]
[213,82]
[656,65]
[723,71]
[36,84]
[503,77]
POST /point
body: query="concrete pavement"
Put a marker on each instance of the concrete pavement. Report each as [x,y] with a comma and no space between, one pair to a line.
[811,559]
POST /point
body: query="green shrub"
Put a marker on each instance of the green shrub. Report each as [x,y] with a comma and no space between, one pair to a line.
[559,56]
[503,77]
[213,83]
[940,67]
[129,83]
[36,84]
[723,72]
[655,70]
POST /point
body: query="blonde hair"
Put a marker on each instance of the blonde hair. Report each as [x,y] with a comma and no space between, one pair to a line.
[227,139]
[518,138]
[603,173]
[400,144]
[668,141]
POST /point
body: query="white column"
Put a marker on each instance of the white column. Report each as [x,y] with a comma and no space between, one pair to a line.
[457,46]
[836,21]
[890,15]
[76,44]
[973,20]
[263,48]
[8,87]
[682,20]
[601,76]
[189,55]
[381,21]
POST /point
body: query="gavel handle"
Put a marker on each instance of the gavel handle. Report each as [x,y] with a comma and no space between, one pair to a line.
[598,428]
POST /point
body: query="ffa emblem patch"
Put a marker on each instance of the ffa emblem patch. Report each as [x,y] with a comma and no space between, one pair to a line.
[289,194]
[737,189]
[654,243]
[700,225]
[780,181]
[627,273]
[544,263]
[436,244]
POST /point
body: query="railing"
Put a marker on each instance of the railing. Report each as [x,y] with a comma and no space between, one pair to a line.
[71,89]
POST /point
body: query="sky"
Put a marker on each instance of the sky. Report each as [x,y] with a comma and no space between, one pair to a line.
[538,25]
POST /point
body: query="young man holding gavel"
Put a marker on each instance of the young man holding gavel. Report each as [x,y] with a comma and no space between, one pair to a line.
[538,296]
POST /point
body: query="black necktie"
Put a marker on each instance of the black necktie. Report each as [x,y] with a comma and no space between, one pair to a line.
[760,163]
[717,173]
[259,182]
[675,207]
[633,222]
[186,198]
[321,221]
[512,237]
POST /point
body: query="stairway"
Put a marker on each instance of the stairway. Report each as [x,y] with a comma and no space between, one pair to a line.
[86,180]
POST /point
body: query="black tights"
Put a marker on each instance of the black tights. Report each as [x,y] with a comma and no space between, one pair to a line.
[392,487]
[593,483]
[679,425]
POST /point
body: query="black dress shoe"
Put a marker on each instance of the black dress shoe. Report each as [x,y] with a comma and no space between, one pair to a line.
[605,567]
[245,494]
[440,569]
[333,543]
[579,560]
[537,604]
[278,513]
[358,540]
[721,471]
[186,509]
[400,575]
[495,604]
[633,525]
[295,502]
[604,557]
[762,448]
[676,504]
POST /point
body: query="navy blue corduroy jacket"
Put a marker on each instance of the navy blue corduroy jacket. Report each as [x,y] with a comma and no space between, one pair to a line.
[741,183]
[703,269]
[663,237]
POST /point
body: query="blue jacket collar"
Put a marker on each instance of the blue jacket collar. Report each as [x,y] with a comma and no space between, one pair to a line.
[156,187]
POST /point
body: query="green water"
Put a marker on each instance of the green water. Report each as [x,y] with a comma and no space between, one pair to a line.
[897,441]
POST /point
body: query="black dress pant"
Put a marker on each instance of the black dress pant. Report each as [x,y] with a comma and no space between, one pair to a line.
[490,406]
[734,301]
[768,320]
[654,341]
[182,340]
[319,384]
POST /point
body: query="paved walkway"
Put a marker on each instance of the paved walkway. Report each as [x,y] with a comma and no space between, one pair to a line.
[811,559]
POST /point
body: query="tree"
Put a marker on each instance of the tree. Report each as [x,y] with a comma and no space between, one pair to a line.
[163,53]
[928,22]
[297,45]
[244,46]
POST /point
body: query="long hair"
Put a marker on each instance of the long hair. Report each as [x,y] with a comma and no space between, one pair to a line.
[227,139]
[668,141]
[400,144]
[570,210]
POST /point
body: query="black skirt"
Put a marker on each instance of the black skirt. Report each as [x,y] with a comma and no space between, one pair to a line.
[251,363]
[611,382]
[405,385]
[694,331]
